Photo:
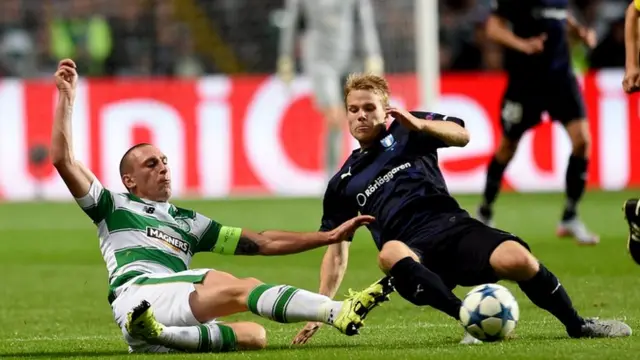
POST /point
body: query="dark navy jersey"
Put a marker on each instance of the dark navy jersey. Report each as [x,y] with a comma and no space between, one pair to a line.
[530,18]
[397,181]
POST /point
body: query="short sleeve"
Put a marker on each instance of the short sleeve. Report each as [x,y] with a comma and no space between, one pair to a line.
[214,237]
[425,141]
[98,203]
[504,8]
[336,209]
[636,3]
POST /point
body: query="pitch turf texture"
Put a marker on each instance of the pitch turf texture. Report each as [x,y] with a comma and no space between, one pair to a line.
[53,289]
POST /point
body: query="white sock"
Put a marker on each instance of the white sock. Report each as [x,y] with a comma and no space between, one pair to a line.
[287,304]
[209,337]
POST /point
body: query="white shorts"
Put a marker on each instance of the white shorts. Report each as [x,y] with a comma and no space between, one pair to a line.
[168,295]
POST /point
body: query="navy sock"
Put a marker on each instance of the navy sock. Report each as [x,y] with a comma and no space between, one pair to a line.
[546,292]
[576,180]
[495,173]
[420,286]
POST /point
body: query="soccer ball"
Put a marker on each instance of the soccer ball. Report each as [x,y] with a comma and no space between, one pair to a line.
[489,312]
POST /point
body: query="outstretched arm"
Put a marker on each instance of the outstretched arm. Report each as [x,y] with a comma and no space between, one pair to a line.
[77,177]
[277,242]
[227,240]
[333,268]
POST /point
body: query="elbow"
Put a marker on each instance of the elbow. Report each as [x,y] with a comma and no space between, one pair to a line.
[60,156]
[458,137]
[494,28]
[491,29]
[60,160]
[465,137]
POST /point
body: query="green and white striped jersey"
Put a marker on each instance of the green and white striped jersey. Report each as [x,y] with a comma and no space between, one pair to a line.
[140,236]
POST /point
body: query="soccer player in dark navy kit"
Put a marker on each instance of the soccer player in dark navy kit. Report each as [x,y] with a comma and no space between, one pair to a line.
[427,243]
[538,63]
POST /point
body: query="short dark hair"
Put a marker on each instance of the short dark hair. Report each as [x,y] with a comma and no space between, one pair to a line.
[124,160]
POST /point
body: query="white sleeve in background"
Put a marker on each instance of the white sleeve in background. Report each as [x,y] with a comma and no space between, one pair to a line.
[369,29]
[288,31]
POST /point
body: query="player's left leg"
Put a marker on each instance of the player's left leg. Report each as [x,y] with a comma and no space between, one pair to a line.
[488,255]
[145,333]
[520,111]
[177,311]
[327,91]
[565,104]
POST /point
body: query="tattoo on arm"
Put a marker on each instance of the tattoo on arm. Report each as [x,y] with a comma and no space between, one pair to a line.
[247,246]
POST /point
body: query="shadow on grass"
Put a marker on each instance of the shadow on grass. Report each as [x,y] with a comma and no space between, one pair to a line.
[63,354]
[407,344]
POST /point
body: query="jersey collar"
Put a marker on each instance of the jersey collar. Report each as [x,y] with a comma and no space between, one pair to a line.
[163,206]
[382,141]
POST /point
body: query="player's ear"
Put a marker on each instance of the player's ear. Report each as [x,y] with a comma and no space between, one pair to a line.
[128,181]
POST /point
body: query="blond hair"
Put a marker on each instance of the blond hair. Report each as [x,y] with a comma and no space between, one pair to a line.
[369,82]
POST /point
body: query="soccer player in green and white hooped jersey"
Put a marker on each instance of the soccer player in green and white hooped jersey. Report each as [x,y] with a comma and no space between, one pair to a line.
[147,244]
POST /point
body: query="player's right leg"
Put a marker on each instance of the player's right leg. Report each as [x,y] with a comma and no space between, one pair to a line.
[520,111]
[631,210]
[495,172]
[418,284]
[414,281]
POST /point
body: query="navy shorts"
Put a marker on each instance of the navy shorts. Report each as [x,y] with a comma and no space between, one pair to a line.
[460,255]
[525,100]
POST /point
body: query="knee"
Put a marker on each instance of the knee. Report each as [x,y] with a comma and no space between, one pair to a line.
[506,150]
[581,145]
[251,282]
[392,252]
[512,261]
[580,139]
[249,336]
[243,288]
[237,291]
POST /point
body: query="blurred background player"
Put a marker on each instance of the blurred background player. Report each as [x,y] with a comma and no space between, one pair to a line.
[541,78]
[327,56]
[631,84]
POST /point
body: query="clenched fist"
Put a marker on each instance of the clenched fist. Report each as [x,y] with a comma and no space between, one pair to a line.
[66,78]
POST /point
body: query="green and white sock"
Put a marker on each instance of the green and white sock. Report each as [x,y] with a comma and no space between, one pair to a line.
[287,304]
[208,337]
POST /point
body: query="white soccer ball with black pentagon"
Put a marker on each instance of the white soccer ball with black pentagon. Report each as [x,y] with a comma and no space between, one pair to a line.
[489,312]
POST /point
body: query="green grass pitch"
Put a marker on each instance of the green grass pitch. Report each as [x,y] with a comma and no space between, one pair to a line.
[53,293]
